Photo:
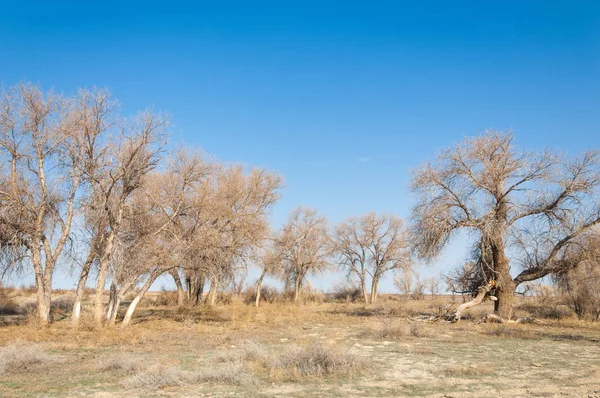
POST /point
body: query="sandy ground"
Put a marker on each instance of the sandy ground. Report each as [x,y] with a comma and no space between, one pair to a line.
[399,357]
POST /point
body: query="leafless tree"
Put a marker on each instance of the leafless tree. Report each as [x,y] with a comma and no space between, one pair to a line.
[40,145]
[117,171]
[230,224]
[151,242]
[270,265]
[370,246]
[302,248]
[537,202]
[433,285]
[403,280]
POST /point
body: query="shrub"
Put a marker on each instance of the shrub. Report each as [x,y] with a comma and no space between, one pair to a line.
[156,377]
[268,294]
[19,357]
[316,360]
[8,306]
[122,363]
[346,294]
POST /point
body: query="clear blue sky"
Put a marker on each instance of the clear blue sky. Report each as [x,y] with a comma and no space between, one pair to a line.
[342,98]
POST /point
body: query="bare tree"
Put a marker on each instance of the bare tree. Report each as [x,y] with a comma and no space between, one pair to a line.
[229,224]
[537,202]
[151,241]
[117,171]
[404,281]
[369,246]
[40,142]
[270,265]
[433,285]
[302,248]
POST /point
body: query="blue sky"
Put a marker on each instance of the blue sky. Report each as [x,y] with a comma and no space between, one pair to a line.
[342,98]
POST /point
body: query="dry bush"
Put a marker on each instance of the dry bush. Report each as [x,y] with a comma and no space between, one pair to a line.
[268,294]
[345,294]
[468,371]
[234,373]
[315,360]
[158,376]
[225,298]
[546,311]
[504,331]
[246,351]
[123,363]
[19,357]
[62,304]
[8,306]
[166,298]
[393,331]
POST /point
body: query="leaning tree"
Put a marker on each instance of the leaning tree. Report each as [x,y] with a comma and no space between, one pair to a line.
[524,209]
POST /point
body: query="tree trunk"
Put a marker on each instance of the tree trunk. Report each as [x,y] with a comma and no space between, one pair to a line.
[179,285]
[99,296]
[112,298]
[297,291]
[43,280]
[101,282]
[363,288]
[212,293]
[136,300]
[505,287]
[259,286]
[374,284]
[83,277]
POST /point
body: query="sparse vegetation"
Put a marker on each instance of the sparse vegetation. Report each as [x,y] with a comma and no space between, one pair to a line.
[21,357]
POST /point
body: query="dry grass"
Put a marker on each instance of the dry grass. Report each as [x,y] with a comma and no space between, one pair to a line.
[392,330]
[316,360]
[283,349]
[125,363]
[311,360]
[468,371]
[159,376]
[20,357]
